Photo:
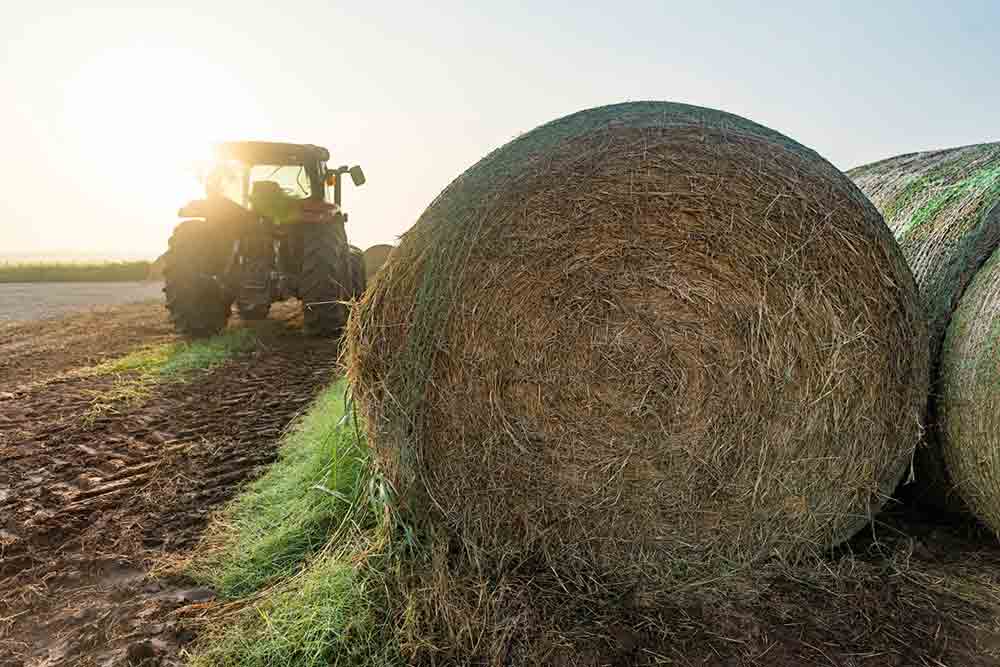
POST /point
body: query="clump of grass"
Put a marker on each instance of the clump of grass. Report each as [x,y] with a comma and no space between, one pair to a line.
[291,512]
[333,613]
[306,538]
[125,392]
[139,371]
[179,358]
[39,272]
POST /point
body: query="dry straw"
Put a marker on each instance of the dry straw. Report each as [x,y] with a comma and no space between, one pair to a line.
[944,209]
[969,404]
[641,337]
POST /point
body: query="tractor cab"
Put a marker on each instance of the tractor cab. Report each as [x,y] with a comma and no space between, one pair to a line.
[275,179]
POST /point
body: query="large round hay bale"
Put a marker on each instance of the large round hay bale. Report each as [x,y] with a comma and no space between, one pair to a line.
[375,257]
[969,404]
[640,336]
[944,209]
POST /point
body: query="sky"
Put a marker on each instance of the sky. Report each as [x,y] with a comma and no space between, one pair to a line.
[106,108]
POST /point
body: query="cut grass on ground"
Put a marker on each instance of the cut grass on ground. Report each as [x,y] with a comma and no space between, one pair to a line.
[138,372]
[296,536]
[292,511]
[47,272]
[332,613]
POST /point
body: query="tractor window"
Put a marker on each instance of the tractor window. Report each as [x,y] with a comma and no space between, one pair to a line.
[228,179]
[293,179]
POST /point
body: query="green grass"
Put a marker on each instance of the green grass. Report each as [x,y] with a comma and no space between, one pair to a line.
[138,372]
[44,272]
[332,614]
[292,511]
[301,543]
[180,358]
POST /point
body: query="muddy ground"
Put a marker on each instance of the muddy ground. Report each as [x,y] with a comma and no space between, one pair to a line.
[89,507]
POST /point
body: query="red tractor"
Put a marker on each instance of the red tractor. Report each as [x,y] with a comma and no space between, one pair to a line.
[270,228]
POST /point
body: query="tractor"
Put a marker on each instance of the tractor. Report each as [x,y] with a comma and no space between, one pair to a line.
[270,228]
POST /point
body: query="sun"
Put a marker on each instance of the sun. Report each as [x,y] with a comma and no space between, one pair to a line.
[141,119]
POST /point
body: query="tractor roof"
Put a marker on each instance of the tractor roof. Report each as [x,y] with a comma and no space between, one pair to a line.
[269,152]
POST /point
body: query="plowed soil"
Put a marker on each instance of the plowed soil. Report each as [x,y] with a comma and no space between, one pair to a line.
[89,507]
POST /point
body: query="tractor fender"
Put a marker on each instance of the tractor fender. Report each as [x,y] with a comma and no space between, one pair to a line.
[320,211]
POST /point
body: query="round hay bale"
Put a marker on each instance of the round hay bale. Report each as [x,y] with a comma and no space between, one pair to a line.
[969,404]
[375,257]
[640,335]
[944,209]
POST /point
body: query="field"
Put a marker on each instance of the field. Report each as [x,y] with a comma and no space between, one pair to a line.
[123,537]
[34,272]
[118,440]
[29,301]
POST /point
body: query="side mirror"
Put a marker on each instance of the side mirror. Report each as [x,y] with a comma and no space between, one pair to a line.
[357,175]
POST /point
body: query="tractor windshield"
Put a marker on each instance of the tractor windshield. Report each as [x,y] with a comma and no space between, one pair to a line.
[293,179]
[237,181]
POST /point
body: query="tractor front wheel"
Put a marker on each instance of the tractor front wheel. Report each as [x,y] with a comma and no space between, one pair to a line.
[197,303]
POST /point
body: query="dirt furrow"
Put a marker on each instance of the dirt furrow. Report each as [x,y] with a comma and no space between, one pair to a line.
[87,507]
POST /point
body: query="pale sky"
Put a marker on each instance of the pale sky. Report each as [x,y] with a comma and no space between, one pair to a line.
[105,107]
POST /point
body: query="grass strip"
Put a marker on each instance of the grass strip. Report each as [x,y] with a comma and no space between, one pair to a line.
[169,360]
[300,543]
[332,613]
[46,272]
[290,513]
[139,371]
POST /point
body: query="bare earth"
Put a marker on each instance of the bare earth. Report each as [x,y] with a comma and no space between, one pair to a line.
[32,301]
[90,508]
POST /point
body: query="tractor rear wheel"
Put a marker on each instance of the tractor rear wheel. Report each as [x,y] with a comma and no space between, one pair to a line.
[326,277]
[197,303]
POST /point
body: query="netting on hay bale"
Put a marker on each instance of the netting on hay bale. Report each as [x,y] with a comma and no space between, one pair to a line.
[643,335]
[944,209]
[969,403]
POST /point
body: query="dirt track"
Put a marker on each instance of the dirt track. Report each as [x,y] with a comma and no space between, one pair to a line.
[32,301]
[86,509]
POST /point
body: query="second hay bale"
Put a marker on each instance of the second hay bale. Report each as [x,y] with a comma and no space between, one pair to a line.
[944,209]
[969,404]
[643,335]
[375,257]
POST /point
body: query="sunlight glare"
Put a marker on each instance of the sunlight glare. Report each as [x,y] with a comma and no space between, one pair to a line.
[145,120]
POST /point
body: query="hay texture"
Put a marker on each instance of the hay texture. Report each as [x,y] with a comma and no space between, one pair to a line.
[944,209]
[969,403]
[640,336]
